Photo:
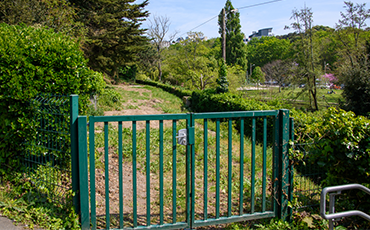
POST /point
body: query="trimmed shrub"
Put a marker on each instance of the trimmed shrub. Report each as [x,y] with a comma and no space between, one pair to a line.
[34,61]
[169,88]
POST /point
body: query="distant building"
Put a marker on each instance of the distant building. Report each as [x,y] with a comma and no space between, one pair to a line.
[260,33]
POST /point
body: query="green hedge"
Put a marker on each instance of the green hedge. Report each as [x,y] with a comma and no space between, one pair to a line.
[169,88]
[342,145]
[33,61]
[342,140]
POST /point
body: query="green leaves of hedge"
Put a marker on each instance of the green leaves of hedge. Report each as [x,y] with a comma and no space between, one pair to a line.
[342,145]
[32,61]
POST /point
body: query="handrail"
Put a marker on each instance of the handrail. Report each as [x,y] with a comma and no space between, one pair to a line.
[332,215]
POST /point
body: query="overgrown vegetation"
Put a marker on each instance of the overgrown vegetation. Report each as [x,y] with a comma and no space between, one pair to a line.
[21,202]
[34,61]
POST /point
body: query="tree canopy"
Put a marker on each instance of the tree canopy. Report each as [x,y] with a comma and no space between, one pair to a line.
[235,47]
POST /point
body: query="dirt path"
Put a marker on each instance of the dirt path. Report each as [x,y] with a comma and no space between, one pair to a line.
[142,107]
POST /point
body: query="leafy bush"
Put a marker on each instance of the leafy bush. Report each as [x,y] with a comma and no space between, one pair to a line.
[33,61]
[342,146]
[111,99]
[356,91]
[223,84]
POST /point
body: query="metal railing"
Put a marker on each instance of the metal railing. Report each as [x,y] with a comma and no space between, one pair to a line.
[336,190]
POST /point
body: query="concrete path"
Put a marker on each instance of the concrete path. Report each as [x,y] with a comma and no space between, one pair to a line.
[6,224]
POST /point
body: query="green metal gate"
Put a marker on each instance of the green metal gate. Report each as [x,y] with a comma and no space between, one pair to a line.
[208,181]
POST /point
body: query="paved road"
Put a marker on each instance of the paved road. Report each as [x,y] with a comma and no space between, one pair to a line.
[6,224]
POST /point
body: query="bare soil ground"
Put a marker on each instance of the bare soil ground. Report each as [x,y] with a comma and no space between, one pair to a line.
[143,107]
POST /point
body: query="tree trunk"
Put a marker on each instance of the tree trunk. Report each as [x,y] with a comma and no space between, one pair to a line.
[160,71]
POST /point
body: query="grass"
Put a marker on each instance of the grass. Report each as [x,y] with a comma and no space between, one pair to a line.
[167,165]
[22,203]
[15,204]
[297,97]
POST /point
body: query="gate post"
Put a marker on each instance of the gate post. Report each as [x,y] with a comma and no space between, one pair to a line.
[282,175]
[83,173]
[74,151]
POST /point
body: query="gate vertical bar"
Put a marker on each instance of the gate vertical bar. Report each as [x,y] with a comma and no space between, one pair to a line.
[120,173]
[253,162]
[205,168]
[174,176]
[106,173]
[161,172]
[147,137]
[188,174]
[264,165]
[218,168]
[92,171]
[74,151]
[283,165]
[275,176]
[241,182]
[291,174]
[134,176]
[84,184]
[230,159]
[191,140]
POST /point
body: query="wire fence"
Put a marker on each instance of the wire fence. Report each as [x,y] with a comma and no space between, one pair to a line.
[47,154]
[307,181]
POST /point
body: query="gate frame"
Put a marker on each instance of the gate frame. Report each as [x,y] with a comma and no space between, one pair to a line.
[282,170]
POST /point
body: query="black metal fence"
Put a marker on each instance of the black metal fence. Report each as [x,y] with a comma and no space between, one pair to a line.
[307,181]
[47,158]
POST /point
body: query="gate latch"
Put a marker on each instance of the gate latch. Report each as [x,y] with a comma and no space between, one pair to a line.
[181,138]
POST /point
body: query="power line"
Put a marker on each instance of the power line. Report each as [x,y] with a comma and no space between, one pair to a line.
[259,4]
[201,24]
[244,7]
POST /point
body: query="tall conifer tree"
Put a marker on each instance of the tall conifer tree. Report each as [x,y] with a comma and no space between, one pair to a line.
[114,36]
[235,50]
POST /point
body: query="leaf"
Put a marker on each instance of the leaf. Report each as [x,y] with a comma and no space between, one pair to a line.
[308,220]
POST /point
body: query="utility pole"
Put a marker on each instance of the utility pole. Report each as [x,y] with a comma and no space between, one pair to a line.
[223,35]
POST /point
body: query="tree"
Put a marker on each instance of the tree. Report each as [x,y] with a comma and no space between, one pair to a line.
[223,84]
[235,47]
[57,14]
[191,63]
[148,58]
[350,31]
[114,36]
[304,50]
[279,71]
[268,49]
[357,88]
[157,32]
[258,75]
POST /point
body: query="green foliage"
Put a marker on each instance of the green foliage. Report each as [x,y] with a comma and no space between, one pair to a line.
[19,202]
[56,14]
[357,86]
[110,99]
[113,34]
[223,84]
[190,63]
[33,61]
[258,76]
[178,91]
[268,49]
[342,145]
[305,50]
[235,48]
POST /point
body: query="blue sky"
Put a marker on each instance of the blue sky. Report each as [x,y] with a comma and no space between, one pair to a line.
[187,14]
